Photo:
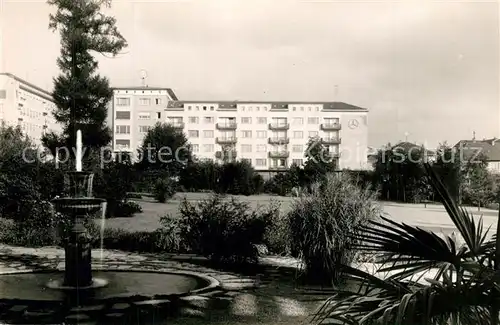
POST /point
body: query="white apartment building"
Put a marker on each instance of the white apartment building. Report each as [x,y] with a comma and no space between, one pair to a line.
[133,110]
[26,105]
[270,135]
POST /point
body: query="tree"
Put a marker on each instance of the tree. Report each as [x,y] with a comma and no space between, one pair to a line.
[319,162]
[448,167]
[80,94]
[463,290]
[165,150]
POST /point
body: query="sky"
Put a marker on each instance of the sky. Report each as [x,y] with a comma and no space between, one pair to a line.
[427,71]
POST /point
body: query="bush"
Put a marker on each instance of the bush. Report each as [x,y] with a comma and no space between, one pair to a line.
[322,224]
[277,233]
[236,178]
[223,230]
[126,209]
[164,189]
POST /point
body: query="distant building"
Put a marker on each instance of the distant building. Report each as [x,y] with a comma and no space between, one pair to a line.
[27,106]
[490,148]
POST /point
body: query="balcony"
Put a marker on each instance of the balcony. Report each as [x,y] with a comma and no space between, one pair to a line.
[279,126]
[226,140]
[331,127]
[278,168]
[230,154]
[332,140]
[177,125]
[226,126]
[282,140]
[331,155]
[279,154]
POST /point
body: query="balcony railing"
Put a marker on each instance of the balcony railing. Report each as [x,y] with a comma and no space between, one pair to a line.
[230,154]
[331,140]
[177,125]
[331,155]
[330,126]
[281,140]
[279,154]
[226,126]
[279,126]
[278,167]
[226,140]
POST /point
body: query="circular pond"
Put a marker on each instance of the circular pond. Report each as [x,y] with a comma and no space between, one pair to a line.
[34,285]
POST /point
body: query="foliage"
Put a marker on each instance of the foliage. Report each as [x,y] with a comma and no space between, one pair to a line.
[463,290]
[165,149]
[80,94]
[202,175]
[223,230]
[448,167]
[126,209]
[277,234]
[112,182]
[480,188]
[236,178]
[164,189]
[399,171]
[284,182]
[318,162]
[321,224]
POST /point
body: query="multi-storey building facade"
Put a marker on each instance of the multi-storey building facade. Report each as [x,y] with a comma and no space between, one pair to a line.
[26,105]
[133,111]
[270,135]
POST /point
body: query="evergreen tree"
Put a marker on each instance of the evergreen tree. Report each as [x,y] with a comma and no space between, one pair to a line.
[319,162]
[80,93]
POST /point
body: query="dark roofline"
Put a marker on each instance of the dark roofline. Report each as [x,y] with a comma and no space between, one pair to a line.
[45,92]
[169,90]
[343,106]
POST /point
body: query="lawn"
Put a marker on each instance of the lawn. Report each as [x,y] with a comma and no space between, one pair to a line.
[433,217]
[149,219]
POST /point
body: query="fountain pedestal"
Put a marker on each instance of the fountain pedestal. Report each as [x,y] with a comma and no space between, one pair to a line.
[78,242]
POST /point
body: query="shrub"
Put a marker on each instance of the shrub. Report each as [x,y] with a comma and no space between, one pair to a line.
[164,189]
[127,209]
[236,178]
[277,233]
[223,230]
[323,221]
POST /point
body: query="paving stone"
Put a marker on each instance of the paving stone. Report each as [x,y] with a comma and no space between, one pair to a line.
[120,306]
[18,308]
[39,313]
[114,315]
[77,318]
[213,293]
[237,286]
[154,302]
[87,308]
[191,312]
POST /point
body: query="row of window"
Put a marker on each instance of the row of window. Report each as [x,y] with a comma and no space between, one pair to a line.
[259,120]
[143,101]
[256,108]
[125,115]
[261,134]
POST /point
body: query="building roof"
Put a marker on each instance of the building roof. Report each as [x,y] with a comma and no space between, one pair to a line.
[169,90]
[45,92]
[275,104]
[405,145]
[489,147]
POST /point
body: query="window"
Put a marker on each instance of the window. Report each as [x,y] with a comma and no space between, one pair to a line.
[144,101]
[193,119]
[123,115]
[297,162]
[158,101]
[193,133]
[208,134]
[211,108]
[208,119]
[246,120]
[297,148]
[312,120]
[143,128]
[123,129]
[261,148]
[313,134]
[261,120]
[144,116]
[298,134]
[260,162]
[248,161]
[246,148]
[246,134]
[195,147]
[204,108]
[123,143]
[123,101]
[261,134]
[298,121]
[158,115]
[208,148]
[331,121]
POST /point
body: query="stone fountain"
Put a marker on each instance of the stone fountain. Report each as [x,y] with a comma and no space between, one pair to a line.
[78,243]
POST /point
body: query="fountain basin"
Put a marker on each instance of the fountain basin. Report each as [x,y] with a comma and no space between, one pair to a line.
[107,284]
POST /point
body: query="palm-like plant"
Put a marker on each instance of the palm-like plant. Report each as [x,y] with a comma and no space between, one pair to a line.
[465,289]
